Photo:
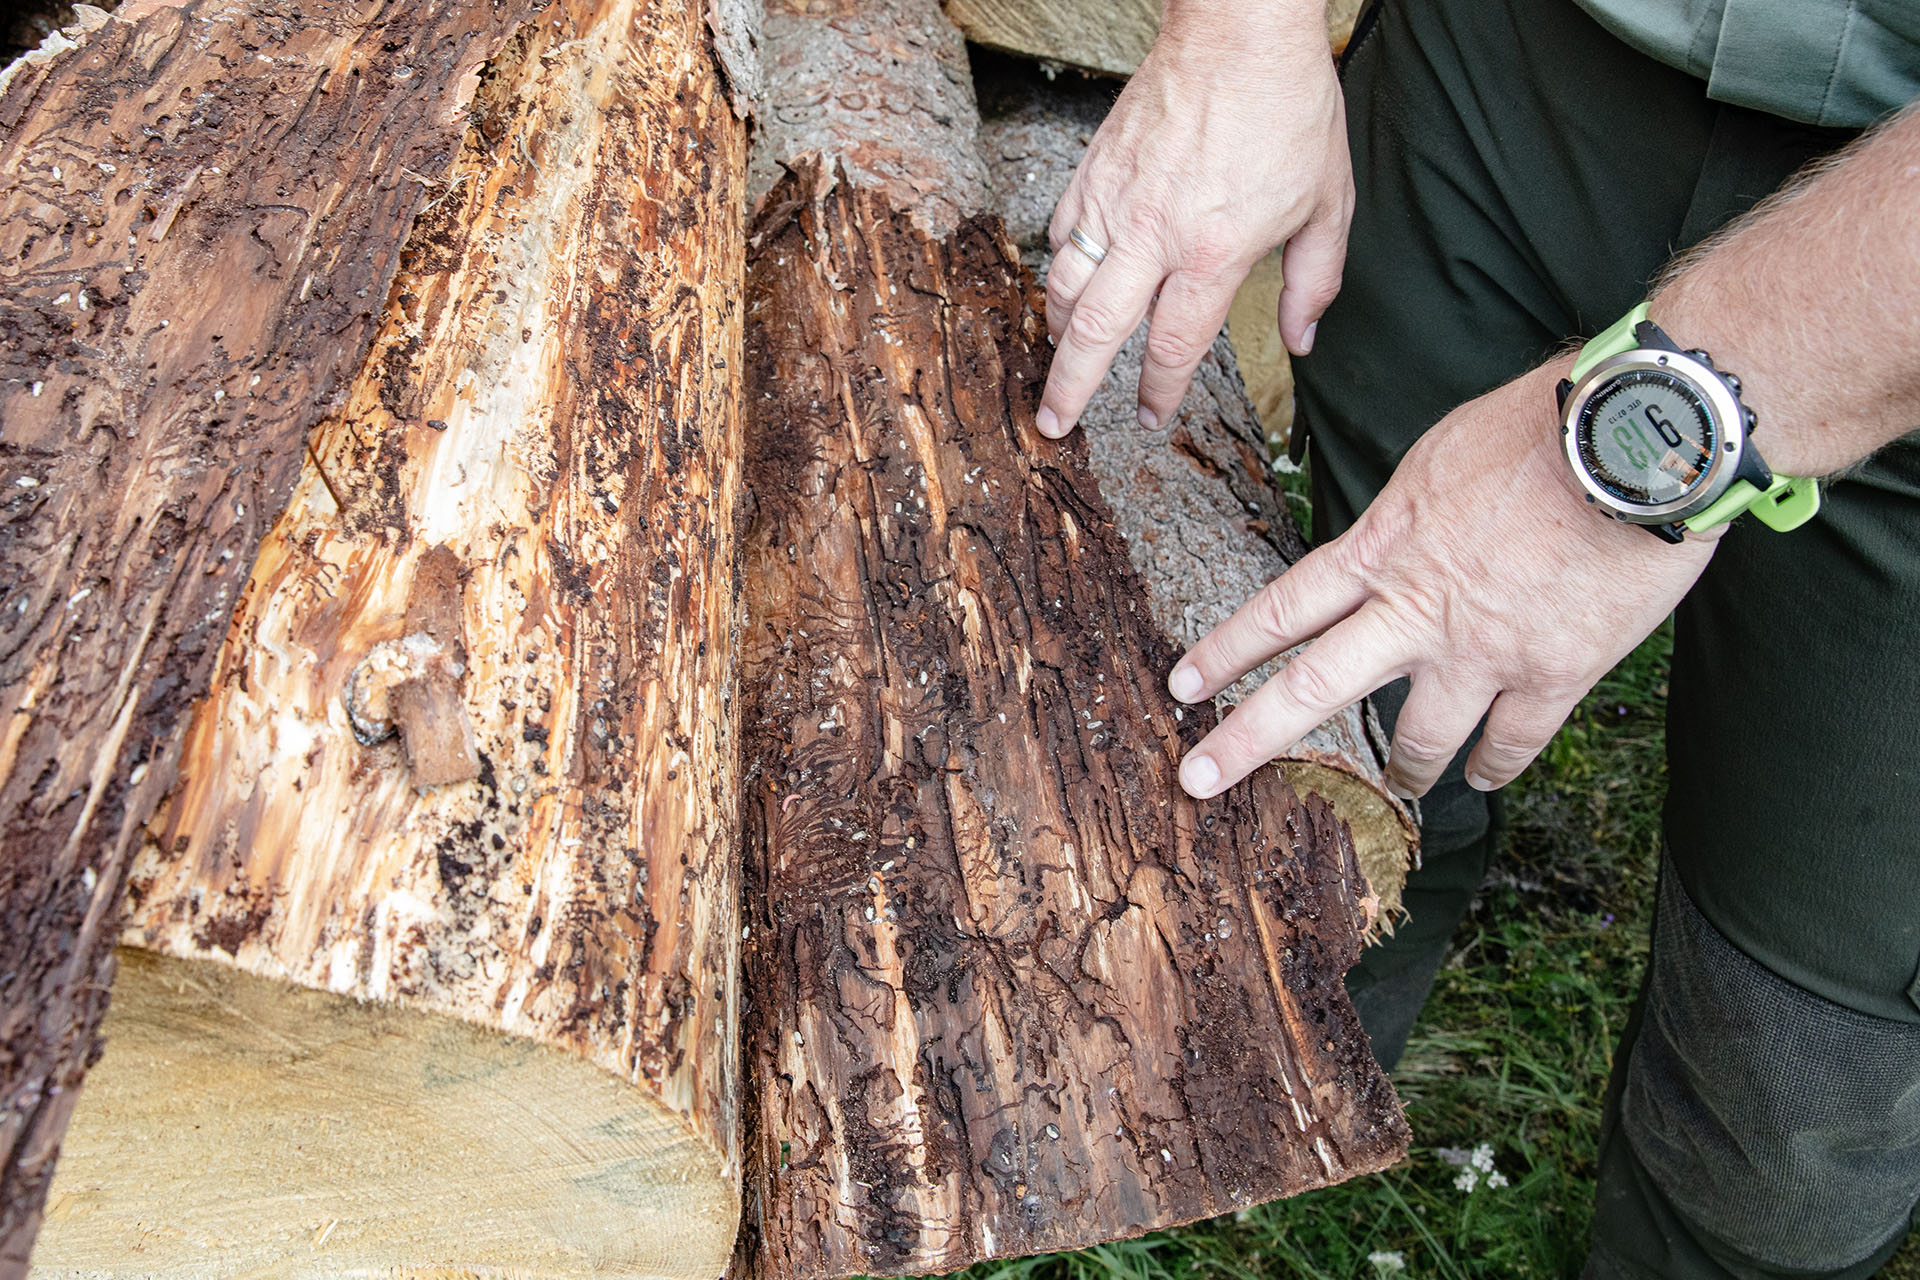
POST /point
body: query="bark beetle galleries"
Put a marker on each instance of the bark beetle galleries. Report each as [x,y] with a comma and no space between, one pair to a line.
[200,219]
[1010,990]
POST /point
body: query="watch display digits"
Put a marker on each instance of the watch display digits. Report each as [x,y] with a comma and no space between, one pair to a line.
[1648,438]
[1657,436]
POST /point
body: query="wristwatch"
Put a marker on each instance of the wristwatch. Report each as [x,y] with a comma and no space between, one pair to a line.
[1658,437]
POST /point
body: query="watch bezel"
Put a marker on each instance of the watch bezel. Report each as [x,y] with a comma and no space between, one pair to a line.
[1726,415]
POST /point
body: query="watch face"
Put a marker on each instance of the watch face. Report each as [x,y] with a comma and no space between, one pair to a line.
[1647,437]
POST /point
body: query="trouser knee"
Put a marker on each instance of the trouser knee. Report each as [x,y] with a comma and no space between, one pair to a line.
[1768,1130]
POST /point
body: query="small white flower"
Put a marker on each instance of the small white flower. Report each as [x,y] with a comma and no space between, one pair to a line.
[1496,1180]
[1455,1156]
[1468,1179]
[1388,1261]
[1482,1157]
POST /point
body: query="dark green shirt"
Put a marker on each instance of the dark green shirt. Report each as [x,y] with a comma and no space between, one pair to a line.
[1838,63]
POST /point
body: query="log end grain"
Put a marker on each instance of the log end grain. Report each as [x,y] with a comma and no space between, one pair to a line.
[276,1127]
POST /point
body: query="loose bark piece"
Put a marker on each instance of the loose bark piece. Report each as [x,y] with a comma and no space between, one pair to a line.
[1009,989]
[199,210]
[1203,526]
[1109,36]
[463,997]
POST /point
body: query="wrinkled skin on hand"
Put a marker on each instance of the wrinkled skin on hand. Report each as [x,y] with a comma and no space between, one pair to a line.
[1480,573]
[1230,139]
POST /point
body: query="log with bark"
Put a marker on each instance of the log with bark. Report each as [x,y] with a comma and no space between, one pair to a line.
[1008,988]
[437,925]
[432,945]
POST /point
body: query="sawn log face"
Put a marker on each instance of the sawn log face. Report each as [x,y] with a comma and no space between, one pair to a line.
[200,211]
[1009,989]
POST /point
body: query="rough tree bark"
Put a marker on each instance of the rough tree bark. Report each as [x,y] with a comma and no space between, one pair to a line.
[1009,990]
[468,755]
[153,425]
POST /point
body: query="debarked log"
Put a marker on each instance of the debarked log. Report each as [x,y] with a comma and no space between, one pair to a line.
[431,951]
[200,210]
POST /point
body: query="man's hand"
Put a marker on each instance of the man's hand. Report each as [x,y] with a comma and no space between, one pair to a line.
[1229,140]
[1480,573]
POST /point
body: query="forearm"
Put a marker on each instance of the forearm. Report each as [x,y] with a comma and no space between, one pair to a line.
[1814,300]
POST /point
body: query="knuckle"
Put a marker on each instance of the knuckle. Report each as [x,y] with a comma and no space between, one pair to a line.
[1208,255]
[1145,220]
[1559,670]
[1238,740]
[1370,547]
[1271,613]
[1511,751]
[1324,290]
[1309,683]
[1171,349]
[1062,287]
[1094,324]
[1416,744]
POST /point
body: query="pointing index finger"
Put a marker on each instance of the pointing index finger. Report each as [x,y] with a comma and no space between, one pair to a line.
[1349,662]
[1313,595]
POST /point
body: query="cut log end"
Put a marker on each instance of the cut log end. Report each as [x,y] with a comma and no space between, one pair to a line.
[384,1132]
[1383,835]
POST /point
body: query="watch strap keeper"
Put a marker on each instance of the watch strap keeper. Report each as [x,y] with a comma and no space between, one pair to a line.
[1787,503]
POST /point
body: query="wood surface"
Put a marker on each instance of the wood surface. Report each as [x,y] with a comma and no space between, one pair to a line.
[438,926]
[1107,36]
[1203,526]
[154,423]
[1008,989]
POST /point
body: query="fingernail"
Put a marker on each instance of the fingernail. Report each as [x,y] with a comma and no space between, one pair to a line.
[1049,423]
[1399,792]
[1200,776]
[1479,783]
[1185,683]
[1051,341]
[1148,418]
[1306,339]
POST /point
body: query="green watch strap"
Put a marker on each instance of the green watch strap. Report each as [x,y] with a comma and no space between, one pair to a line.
[1610,341]
[1787,503]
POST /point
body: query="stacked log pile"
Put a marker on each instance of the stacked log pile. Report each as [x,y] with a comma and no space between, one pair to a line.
[610,743]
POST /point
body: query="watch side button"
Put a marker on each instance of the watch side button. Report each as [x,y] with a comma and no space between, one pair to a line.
[1562,390]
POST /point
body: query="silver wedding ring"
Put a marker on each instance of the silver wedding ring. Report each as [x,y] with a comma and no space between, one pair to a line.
[1084,243]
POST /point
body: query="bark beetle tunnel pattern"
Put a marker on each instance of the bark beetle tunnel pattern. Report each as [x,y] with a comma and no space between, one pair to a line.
[1005,988]
[257,155]
[1008,989]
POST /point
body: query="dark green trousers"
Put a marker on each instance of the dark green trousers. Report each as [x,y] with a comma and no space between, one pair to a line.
[1522,176]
